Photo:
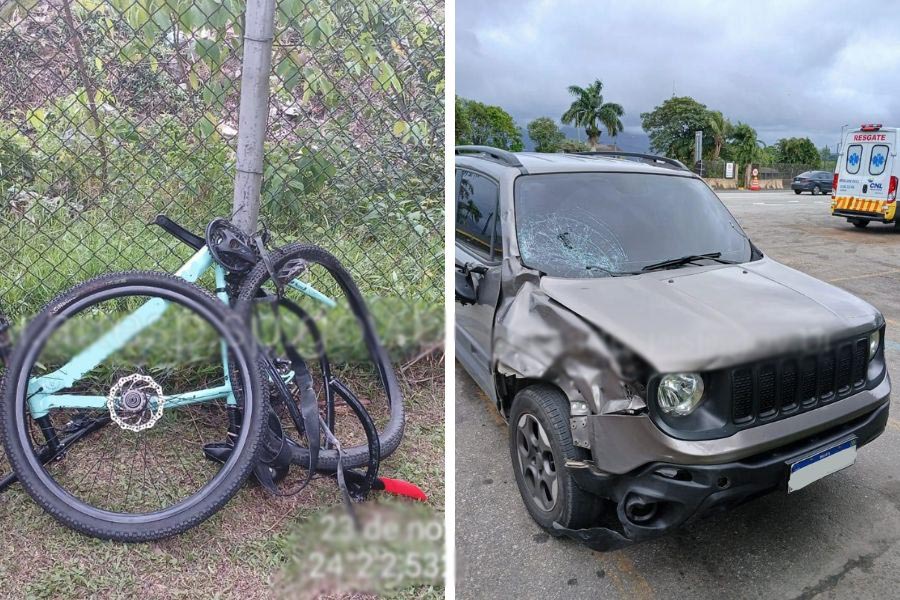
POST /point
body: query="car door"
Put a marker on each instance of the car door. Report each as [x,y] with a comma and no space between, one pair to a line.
[878,166]
[478,253]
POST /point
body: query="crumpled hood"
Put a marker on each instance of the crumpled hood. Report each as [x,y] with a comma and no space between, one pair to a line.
[699,318]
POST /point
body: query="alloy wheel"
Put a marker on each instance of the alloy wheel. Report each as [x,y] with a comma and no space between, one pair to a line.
[536,462]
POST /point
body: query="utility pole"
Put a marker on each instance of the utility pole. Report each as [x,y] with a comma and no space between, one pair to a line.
[698,153]
[259,28]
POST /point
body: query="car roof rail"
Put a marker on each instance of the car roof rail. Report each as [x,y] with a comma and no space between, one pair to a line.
[648,157]
[502,156]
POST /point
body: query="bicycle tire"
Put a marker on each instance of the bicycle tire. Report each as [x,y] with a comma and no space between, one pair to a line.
[132,527]
[390,438]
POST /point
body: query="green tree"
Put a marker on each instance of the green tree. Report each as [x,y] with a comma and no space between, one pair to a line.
[829,158]
[590,111]
[545,134]
[463,125]
[798,151]
[768,155]
[719,129]
[483,124]
[672,124]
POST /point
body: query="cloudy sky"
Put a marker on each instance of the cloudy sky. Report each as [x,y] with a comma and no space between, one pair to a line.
[798,68]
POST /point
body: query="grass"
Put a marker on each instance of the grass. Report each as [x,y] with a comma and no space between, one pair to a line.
[45,258]
[250,549]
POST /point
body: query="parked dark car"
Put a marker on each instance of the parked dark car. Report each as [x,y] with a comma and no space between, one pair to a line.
[816,182]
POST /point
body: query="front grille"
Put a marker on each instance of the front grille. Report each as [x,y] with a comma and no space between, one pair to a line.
[773,389]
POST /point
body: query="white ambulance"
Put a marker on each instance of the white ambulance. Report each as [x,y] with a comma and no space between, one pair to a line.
[864,188]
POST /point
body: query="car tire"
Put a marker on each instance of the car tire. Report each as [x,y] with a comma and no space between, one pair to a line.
[797,192]
[543,412]
[860,223]
[816,190]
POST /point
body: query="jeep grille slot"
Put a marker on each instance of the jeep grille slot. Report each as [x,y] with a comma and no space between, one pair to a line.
[742,395]
[844,368]
[776,389]
[767,397]
[860,354]
[826,377]
[789,384]
[808,381]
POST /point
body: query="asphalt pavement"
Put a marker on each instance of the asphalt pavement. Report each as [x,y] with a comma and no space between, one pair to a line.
[837,538]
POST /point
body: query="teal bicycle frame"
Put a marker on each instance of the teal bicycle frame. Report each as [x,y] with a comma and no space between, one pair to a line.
[42,396]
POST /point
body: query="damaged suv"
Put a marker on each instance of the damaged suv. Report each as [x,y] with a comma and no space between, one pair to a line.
[652,363]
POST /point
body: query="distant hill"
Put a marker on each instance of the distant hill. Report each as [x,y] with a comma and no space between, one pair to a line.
[629,142]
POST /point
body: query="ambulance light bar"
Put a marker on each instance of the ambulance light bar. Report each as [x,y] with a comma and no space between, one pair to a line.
[870,127]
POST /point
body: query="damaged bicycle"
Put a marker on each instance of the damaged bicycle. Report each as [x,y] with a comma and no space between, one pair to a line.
[136,404]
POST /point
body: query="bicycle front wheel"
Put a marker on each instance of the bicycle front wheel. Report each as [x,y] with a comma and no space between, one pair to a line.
[132,409]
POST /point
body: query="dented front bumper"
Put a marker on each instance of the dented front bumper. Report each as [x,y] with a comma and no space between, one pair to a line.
[683,491]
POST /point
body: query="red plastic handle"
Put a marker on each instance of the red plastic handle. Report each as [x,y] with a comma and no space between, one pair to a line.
[403,488]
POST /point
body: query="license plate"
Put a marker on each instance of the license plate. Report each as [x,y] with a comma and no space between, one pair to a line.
[821,463]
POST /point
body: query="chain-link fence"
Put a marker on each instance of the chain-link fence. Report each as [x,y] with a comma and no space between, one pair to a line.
[112,111]
[776,176]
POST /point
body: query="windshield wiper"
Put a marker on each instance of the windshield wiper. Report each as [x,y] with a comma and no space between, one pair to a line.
[677,262]
[610,272]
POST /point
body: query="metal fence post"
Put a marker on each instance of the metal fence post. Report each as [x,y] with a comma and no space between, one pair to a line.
[259,30]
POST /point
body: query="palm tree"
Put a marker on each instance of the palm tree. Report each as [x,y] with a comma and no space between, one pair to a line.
[746,148]
[720,128]
[589,111]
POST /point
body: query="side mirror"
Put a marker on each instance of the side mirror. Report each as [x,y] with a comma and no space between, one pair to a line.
[465,291]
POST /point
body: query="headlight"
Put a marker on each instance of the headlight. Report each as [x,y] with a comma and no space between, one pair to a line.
[874,341]
[679,393]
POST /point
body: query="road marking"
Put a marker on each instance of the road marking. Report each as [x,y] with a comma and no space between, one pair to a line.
[793,202]
[625,576]
[891,272]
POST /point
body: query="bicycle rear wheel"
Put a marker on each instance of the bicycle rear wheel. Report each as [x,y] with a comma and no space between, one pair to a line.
[359,363]
[114,398]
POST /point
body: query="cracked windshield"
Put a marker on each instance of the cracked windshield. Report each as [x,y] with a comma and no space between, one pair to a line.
[609,224]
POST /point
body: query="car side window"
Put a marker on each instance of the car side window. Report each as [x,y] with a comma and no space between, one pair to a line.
[854,158]
[878,159]
[478,213]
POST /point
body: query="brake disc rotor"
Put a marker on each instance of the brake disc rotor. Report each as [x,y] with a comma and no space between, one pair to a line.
[135,402]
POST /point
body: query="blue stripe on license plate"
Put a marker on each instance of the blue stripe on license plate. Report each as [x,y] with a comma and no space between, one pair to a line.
[822,455]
